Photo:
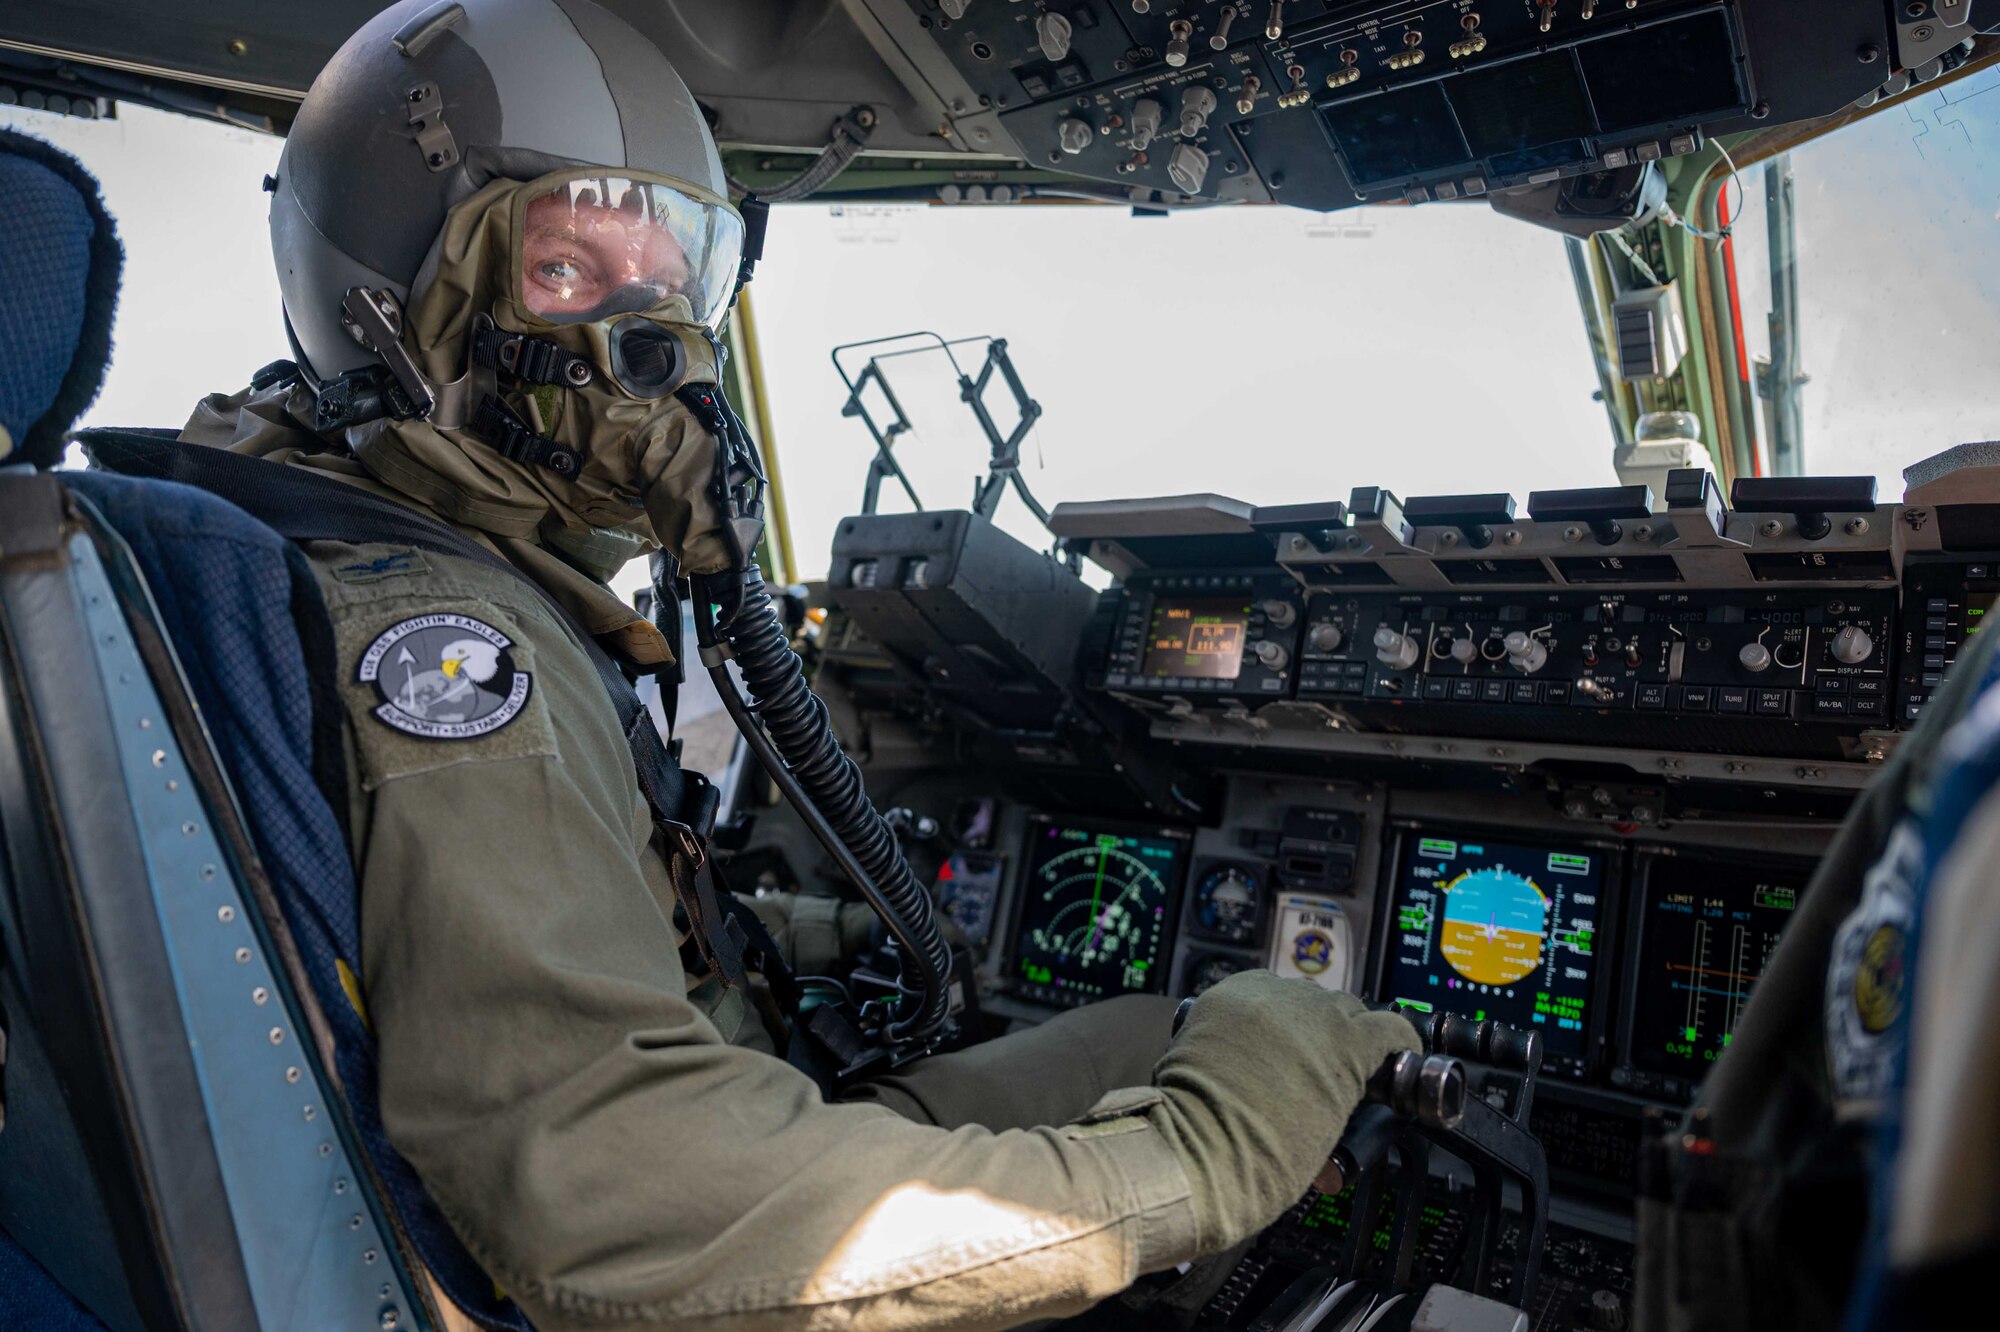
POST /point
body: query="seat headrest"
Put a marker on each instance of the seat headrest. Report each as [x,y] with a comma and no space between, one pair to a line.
[59,266]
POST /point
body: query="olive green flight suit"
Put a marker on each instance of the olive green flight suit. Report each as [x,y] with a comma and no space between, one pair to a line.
[588,1125]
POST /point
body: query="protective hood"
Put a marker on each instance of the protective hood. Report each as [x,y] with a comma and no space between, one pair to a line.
[571,564]
[645,465]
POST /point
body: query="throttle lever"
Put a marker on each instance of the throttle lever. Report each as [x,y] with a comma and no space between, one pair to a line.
[1427,1089]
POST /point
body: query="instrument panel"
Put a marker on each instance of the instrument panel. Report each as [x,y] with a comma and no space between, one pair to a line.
[1634,958]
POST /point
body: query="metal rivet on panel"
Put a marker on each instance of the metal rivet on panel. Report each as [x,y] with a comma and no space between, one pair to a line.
[311,1113]
[391,1320]
[226,914]
[145,723]
[340,1186]
[159,758]
[354,1222]
[190,829]
[208,872]
[291,1075]
[242,955]
[260,995]
[277,1035]
[326,1149]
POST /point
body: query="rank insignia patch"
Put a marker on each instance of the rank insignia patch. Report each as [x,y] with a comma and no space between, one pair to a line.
[444,677]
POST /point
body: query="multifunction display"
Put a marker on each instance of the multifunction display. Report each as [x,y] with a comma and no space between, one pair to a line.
[1197,639]
[1708,930]
[1491,929]
[1096,911]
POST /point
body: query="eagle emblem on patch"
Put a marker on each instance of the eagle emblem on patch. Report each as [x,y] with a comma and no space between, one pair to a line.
[444,677]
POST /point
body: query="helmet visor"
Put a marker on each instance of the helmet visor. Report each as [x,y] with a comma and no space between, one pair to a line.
[598,246]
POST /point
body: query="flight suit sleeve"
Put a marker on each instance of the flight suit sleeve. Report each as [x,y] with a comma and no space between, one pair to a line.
[598,1145]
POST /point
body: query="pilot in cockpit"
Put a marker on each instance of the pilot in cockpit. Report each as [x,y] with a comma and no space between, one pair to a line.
[610,1132]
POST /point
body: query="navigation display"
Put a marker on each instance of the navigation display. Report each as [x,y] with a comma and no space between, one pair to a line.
[1708,930]
[1096,910]
[1491,929]
[1199,639]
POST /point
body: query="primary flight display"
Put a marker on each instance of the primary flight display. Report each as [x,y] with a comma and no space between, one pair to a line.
[1490,929]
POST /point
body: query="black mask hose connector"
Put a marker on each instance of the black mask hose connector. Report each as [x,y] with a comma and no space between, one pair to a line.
[797,746]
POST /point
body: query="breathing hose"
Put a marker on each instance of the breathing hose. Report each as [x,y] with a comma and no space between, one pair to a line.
[796,744]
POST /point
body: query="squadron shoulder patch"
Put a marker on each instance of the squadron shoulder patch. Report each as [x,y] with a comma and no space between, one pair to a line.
[444,677]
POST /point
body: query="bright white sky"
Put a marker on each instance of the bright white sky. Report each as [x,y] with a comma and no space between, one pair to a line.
[1268,354]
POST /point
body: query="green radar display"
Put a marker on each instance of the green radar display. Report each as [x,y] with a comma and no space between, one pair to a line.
[1096,910]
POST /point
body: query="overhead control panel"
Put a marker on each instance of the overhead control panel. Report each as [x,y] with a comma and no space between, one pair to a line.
[1326,104]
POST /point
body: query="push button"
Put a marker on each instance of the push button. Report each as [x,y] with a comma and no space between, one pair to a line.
[1650,696]
[1556,691]
[1866,686]
[1526,691]
[1830,707]
[1732,698]
[1465,691]
[1773,702]
[1437,689]
[1697,698]
[1493,691]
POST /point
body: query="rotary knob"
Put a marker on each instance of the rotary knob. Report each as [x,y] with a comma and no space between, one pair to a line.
[1326,638]
[1197,105]
[1073,135]
[1187,168]
[1525,653]
[1145,123]
[1281,614]
[1052,33]
[1463,650]
[1755,657]
[1271,655]
[1395,649]
[1607,1311]
[1852,645]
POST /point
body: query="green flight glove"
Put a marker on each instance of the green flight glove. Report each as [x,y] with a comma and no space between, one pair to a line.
[1257,1088]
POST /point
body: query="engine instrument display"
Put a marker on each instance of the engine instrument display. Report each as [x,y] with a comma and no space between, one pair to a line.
[1490,929]
[1096,911]
[1708,931]
[1198,638]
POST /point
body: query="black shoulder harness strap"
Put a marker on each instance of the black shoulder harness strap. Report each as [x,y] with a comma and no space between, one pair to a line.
[302,506]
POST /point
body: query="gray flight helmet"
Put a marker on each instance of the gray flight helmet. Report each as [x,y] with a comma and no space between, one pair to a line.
[434,99]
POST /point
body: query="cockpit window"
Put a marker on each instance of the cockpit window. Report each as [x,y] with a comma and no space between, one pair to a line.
[1896,222]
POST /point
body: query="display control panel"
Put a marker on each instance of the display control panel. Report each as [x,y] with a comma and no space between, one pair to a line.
[1097,910]
[1206,636]
[1491,928]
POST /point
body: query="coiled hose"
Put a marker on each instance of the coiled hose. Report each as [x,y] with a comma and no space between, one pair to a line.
[799,729]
